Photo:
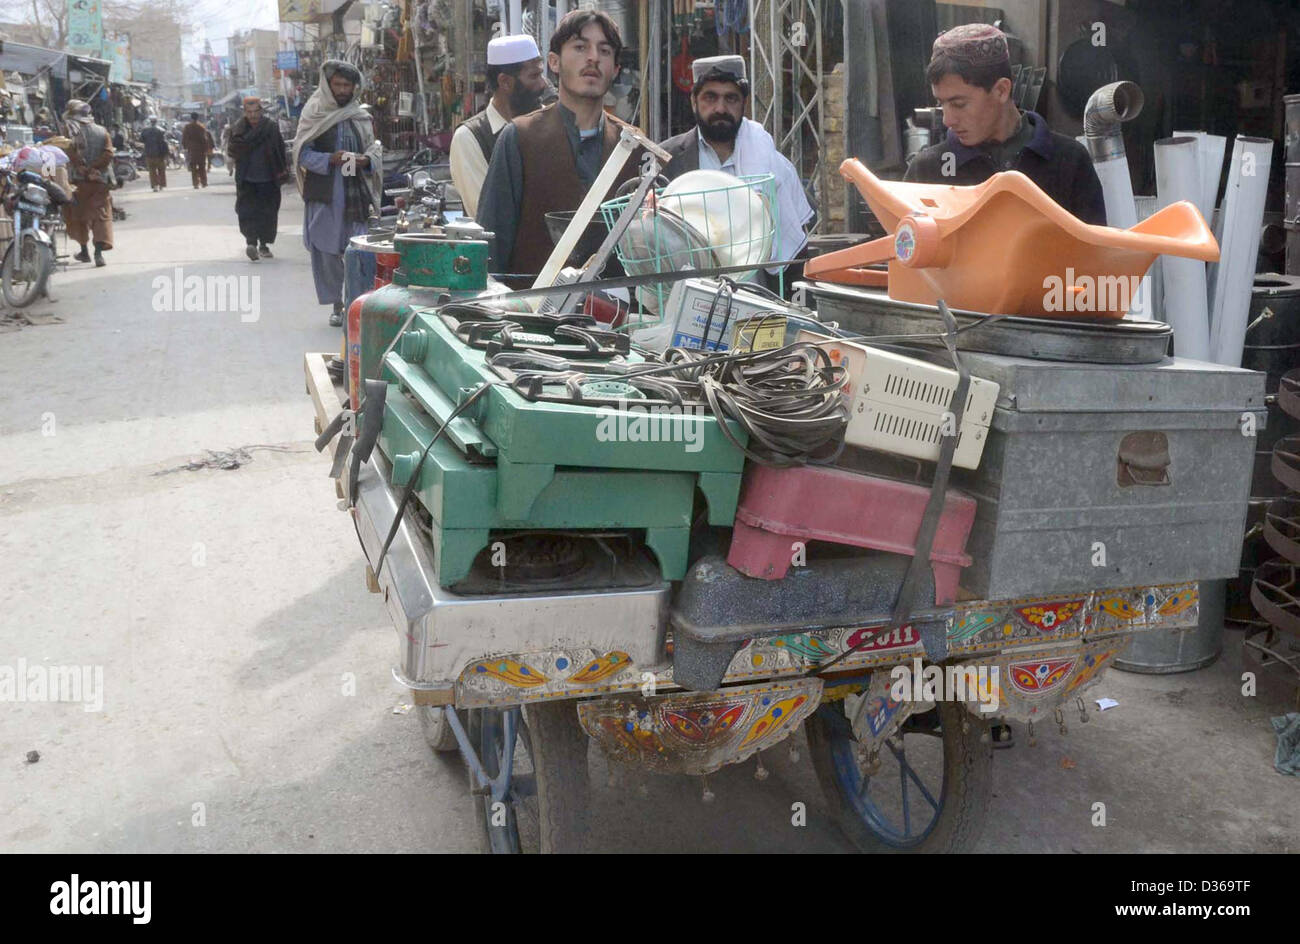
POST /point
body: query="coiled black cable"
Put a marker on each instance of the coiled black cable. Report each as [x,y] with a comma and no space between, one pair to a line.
[789,401]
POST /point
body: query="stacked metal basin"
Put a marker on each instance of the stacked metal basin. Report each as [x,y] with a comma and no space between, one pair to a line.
[1273,348]
[1274,591]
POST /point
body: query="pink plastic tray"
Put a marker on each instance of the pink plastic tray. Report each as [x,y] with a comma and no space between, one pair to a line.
[781,506]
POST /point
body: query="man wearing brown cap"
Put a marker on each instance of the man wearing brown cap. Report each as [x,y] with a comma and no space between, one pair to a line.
[970,75]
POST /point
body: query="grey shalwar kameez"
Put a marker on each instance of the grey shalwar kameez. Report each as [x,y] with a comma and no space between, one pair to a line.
[325,231]
[327,226]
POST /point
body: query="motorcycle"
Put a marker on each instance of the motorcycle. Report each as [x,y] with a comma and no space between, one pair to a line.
[400,180]
[31,200]
[175,156]
[126,165]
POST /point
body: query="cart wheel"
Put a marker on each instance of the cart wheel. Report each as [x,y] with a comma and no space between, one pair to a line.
[544,809]
[931,791]
[436,729]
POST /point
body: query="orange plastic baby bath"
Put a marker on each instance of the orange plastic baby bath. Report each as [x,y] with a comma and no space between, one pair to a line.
[1006,247]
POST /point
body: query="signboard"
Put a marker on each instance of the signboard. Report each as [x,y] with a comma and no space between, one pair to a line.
[142,70]
[287,60]
[85,27]
[118,50]
[299,11]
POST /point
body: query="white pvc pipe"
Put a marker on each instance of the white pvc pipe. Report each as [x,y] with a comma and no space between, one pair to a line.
[1121,213]
[1178,177]
[1233,276]
[1209,159]
[516,23]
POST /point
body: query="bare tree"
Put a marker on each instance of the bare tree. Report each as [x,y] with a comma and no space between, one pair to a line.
[48,19]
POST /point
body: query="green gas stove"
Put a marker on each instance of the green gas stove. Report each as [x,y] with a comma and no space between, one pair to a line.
[574,432]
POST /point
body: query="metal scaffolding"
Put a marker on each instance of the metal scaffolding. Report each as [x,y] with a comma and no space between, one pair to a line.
[785,56]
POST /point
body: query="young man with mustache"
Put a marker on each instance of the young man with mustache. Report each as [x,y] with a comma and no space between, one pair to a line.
[548,160]
[515,75]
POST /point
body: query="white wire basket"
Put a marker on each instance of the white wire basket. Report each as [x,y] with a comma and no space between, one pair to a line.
[685,226]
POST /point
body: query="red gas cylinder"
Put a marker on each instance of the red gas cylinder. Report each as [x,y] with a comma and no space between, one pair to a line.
[354,349]
[385,264]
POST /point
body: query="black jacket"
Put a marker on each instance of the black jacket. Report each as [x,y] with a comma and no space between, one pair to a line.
[155,142]
[266,136]
[1059,165]
[685,151]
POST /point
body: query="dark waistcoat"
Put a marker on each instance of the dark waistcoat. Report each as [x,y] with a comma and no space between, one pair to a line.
[481,128]
[319,188]
[551,181]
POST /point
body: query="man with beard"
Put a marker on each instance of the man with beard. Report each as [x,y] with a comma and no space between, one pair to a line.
[197,144]
[724,139]
[340,174]
[90,161]
[548,160]
[256,151]
[514,74]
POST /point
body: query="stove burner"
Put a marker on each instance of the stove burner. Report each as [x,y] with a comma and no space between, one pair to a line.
[605,389]
[548,562]
[528,339]
[534,558]
[590,389]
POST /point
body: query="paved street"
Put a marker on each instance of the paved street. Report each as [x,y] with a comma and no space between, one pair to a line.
[247,698]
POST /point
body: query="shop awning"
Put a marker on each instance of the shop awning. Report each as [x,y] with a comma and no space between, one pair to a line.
[29,60]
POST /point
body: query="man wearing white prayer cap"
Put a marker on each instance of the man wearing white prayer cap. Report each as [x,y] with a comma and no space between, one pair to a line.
[724,139]
[517,82]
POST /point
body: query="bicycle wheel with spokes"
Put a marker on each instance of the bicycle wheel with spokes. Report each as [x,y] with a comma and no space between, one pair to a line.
[541,806]
[25,270]
[929,792]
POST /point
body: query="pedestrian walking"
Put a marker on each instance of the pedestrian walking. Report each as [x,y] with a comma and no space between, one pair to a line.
[257,152]
[155,154]
[197,144]
[339,169]
[90,162]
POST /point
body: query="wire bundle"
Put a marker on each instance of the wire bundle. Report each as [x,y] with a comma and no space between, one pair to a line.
[789,401]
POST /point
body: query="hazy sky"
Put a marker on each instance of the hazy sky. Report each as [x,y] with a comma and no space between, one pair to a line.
[215,20]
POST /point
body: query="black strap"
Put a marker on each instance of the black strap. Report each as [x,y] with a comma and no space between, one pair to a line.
[936,649]
[372,423]
[414,482]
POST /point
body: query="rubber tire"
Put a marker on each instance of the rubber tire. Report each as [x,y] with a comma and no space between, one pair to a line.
[563,782]
[563,778]
[45,264]
[968,785]
[437,732]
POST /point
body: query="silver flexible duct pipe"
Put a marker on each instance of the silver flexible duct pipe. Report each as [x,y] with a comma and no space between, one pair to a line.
[1107,109]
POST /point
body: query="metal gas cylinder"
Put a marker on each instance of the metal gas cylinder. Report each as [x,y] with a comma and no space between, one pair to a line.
[354,349]
[434,267]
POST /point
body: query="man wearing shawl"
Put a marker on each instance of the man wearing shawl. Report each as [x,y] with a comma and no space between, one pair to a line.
[724,139]
[90,163]
[256,151]
[340,174]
